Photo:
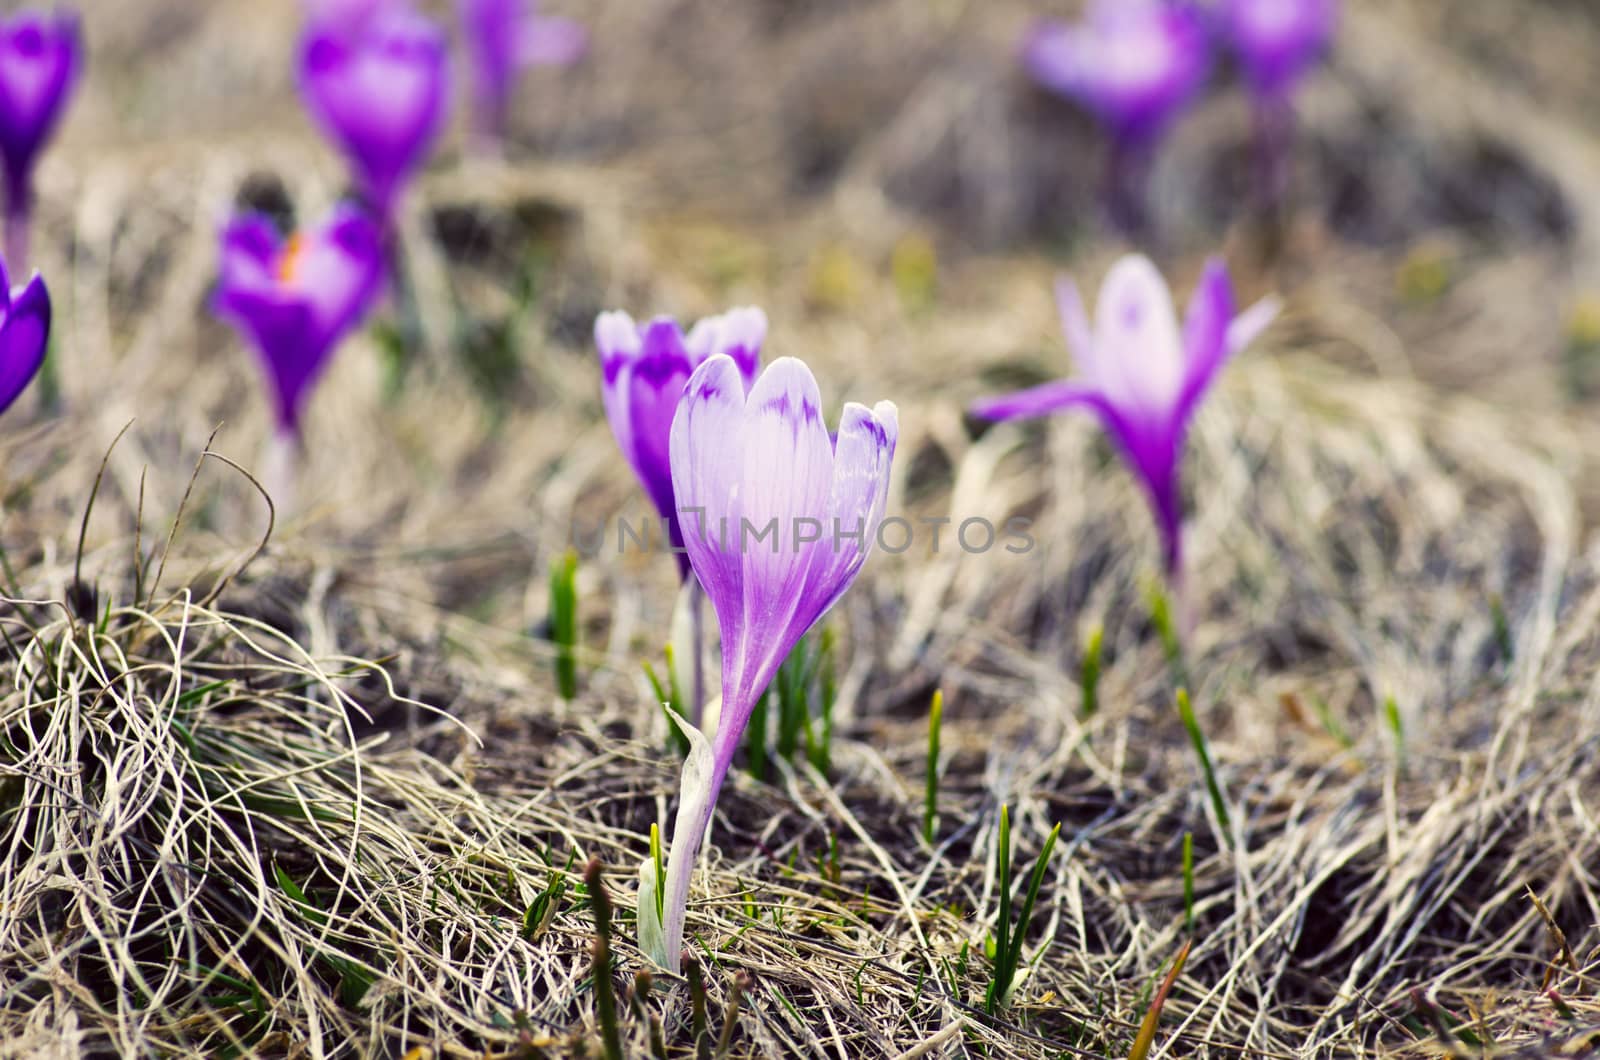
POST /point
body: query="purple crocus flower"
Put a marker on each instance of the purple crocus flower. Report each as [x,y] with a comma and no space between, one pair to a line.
[1277,41]
[296,299]
[1133,64]
[505,36]
[779,517]
[40,56]
[644,370]
[379,88]
[1141,375]
[24,334]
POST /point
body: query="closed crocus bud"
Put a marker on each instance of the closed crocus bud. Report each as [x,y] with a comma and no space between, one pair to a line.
[24,334]
[1134,64]
[40,58]
[1143,375]
[295,300]
[643,372]
[1277,41]
[379,90]
[504,37]
[778,518]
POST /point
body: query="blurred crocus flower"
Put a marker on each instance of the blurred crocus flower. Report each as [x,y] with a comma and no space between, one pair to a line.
[1277,41]
[295,300]
[504,37]
[778,519]
[1133,64]
[1142,375]
[644,369]
[24,334]
[379,89]
[40,58]
[345,16]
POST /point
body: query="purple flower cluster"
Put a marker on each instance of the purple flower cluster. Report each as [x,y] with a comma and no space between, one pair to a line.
[1137,64]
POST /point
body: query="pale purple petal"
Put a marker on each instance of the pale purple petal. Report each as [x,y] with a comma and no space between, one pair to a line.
[1075,325]
[24,338]
[1205,332]
[1249,325]
[782,429]
[1139,359]
[551,41]
[707,468]
[863,454]
[1040,400]
[738,333]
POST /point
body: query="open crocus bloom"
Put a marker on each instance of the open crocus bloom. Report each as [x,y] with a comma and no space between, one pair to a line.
[644,369]
[40,56]
[379,90]
[778,519]
[1134,64]
[24,334]
[295,300]
[1277,41]
[507,35]
[1141,374]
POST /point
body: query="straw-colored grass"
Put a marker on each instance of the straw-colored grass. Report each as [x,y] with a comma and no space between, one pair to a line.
[302,802]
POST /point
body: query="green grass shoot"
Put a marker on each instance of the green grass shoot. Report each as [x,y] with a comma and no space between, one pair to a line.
[564,622]
[1188,882]
[1089,673]
[1008,938]
[1198,738]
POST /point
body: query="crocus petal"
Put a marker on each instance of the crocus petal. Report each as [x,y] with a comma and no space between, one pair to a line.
[1138,357]
[24,339]
[739,333]
[706,474]
[1037,401]
[550,41]
[1075,324]
[1248,326]
[654,386]
[863,453]
[1205,331]
[39,59]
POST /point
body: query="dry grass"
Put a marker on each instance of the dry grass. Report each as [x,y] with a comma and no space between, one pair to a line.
[367,711]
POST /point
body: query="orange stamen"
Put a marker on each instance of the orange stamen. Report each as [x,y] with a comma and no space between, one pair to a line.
[289,262]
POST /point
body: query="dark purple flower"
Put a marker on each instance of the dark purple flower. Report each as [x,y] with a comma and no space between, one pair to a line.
[296,300]
[379,90]
[1134,64]
[24,334]
[506,35]
[1277,41]
[779,518]
[40,57]
[1141,374]
[644,370]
